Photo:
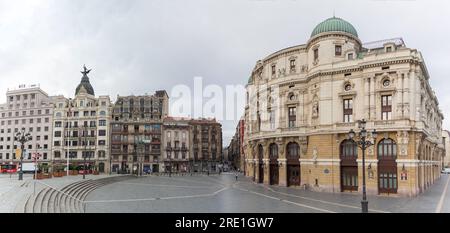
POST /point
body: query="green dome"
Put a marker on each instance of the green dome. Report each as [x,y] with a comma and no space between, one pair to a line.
[334,25]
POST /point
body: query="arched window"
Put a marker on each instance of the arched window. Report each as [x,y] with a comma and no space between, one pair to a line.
[349,149]
[273,150]
[293,151]
[58,114]
[102,113]
[260,152]
[387,149]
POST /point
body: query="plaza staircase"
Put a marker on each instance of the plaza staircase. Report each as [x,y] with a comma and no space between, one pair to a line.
[69,199]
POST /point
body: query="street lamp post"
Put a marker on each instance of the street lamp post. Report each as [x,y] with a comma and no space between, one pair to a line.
[69,114]
[23,138]
[363,143]
[170,165]
[85,151]
[135,160]
[138,147]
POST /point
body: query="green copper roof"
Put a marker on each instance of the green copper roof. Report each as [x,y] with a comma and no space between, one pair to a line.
[250,80]
[334,25]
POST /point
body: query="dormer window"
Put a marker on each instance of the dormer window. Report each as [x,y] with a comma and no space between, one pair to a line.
[388,49]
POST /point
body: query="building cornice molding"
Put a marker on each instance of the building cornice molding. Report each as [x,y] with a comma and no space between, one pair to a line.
[359,68]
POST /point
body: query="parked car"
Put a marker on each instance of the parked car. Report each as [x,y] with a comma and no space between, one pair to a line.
[446,171]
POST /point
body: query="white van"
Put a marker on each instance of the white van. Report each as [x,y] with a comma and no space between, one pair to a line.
[446,171]
[29,167]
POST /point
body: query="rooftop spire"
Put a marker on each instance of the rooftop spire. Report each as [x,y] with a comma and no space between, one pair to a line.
[85,85]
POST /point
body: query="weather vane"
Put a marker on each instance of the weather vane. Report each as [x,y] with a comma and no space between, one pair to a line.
[86,71]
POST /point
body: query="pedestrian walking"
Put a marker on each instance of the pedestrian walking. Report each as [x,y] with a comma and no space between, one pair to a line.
[236,176]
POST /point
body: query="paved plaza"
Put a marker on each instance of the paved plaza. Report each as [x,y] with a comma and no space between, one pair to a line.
[223,194]
[220,194]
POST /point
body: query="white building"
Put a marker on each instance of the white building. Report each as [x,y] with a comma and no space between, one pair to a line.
[31,108]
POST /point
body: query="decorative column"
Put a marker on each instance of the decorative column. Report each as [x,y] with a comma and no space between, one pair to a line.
[256,162]
[266,163]
[282,176]
[373,102]
[406,91]
[248,159]
[367,97]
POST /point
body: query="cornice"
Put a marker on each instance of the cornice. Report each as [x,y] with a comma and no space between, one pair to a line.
[359,68]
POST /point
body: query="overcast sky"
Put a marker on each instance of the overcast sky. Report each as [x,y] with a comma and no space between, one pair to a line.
[137,47]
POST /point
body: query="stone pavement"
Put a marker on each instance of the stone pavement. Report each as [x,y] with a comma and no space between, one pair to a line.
[222,194]
[219,194]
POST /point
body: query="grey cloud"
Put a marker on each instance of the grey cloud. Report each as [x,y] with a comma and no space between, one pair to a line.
[140,46]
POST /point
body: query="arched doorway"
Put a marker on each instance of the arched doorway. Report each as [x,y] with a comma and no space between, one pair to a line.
[349,165]
[293,164]
[101,167]
[260,164]
[274,172]
[387,166]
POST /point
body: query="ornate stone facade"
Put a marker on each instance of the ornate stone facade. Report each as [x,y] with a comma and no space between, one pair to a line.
[205,144]
[81,130]
[303,116]
[136,130]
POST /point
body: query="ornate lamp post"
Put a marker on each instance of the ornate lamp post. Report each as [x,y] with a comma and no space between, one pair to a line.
[138,147]
[363,143]
[170,162]
[23,138]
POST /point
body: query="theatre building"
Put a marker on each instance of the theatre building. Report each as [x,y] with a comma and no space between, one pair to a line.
[302,101]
